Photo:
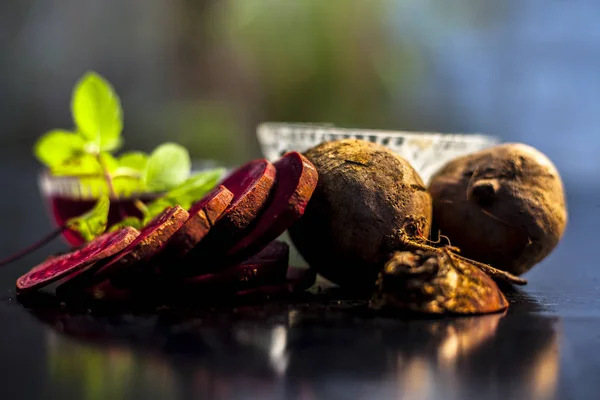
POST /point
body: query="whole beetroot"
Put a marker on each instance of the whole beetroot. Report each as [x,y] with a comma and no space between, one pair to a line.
[369,202]
[504,206]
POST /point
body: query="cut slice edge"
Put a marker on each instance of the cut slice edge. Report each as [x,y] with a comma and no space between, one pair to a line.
[251,186]
[202,216]
[147,244]
[55,268]
[295,182]
[267,267]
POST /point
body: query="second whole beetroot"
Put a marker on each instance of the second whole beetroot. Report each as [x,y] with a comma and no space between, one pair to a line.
[504,206]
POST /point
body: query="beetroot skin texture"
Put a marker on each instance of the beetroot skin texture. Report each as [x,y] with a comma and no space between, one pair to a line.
[295,183]
[96,250]
[203,215]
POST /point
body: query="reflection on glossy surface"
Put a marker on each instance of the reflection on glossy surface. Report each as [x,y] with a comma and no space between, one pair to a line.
[112,372]
[304,351]
[464,336]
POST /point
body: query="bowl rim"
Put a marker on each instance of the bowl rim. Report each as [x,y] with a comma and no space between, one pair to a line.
[328,128]
[50,185]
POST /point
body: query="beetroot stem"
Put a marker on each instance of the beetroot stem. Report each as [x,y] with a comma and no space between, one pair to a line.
[43,241]
[111,187]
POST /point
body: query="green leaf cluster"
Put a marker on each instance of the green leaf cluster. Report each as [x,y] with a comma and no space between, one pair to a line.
[88,152]
[92,223]
[184,195]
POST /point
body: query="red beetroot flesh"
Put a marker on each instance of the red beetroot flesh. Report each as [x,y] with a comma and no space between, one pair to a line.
[295,182]
[203,216]
[58,267]
[268,267]
[251,186]
[149,243]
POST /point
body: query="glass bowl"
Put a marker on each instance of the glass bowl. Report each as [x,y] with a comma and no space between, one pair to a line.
[426,151]
[70,196]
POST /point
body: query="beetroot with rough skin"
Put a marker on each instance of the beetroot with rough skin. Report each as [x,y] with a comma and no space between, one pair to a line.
[251,186]
[295,182]
[58,267]
[504,206]
[203,216]
[369,202]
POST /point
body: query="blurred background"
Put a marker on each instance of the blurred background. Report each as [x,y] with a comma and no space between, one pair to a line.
[204,73]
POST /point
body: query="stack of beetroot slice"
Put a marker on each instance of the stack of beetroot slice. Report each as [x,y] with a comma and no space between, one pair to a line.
[224,245]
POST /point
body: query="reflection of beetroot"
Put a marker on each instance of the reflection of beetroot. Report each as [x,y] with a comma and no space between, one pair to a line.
[203,216]
[294,184]
[269,267]
[55,268]
[149,242]
[251,185]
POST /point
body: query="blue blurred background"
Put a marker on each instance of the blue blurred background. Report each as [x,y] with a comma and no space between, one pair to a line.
[205,73]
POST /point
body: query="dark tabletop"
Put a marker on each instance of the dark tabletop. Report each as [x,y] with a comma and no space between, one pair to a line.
[546,346]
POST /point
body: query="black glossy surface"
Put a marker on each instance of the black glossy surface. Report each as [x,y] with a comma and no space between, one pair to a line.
[546,346]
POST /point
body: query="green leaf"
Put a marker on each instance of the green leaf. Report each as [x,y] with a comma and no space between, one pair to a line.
[194,188]
[134,160]
[127,221]
[125,186]
[168,166]
[57,147]
[92,223]
[110,144]
[96,110]
[128,177]
[185,194]
[109,162]
[85,164]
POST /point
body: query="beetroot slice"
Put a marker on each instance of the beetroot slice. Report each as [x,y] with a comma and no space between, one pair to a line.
[275,250]
[268,267]
[251,186]
[151,240]
[203,216]
[96,250]
[294,185]
[149,243]
[298,280]
[290,287]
